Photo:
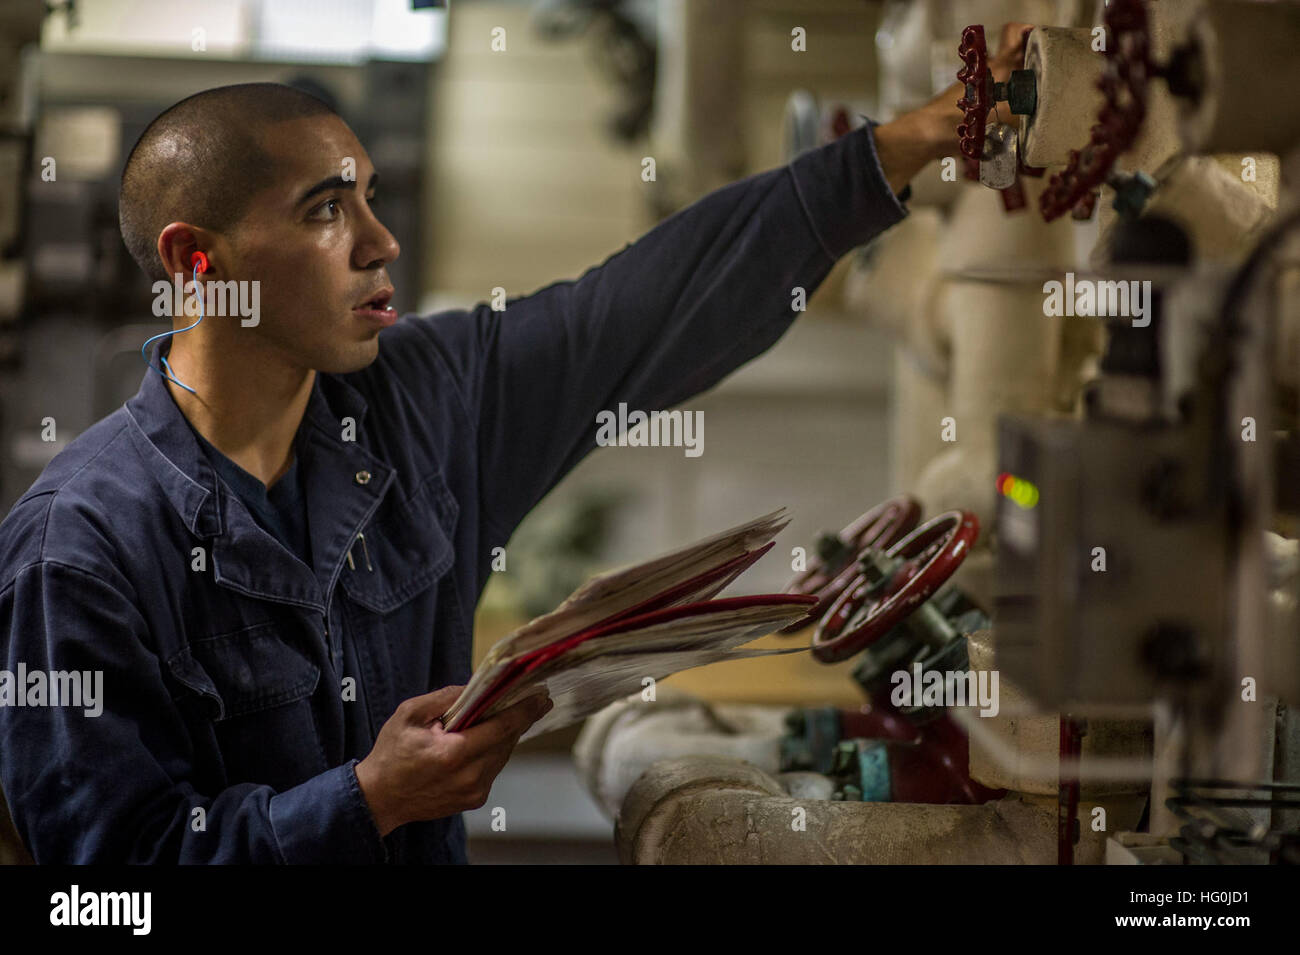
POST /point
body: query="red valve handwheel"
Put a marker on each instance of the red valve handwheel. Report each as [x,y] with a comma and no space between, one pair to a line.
[974,53]
[882,526]
[841,122]
[1124,86]
[976,101]
[865,612]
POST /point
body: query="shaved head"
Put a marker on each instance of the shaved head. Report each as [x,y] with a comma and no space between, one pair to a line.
[202,161]
[272,185]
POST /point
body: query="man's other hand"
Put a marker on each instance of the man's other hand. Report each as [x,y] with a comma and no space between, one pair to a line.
[419,771]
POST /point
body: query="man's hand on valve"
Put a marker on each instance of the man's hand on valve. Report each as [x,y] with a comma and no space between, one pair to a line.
[929,132]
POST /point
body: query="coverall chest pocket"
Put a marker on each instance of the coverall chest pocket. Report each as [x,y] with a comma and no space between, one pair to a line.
[255,689]
[407,545]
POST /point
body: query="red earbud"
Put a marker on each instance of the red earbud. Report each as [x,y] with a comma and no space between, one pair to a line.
[199,261]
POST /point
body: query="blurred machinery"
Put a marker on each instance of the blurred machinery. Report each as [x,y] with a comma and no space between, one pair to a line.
[1140,577]
[1113,326]
[624,50]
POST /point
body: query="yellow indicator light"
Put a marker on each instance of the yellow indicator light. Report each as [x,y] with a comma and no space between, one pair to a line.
[1023,493]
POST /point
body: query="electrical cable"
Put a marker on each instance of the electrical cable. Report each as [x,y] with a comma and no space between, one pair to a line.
[200,263]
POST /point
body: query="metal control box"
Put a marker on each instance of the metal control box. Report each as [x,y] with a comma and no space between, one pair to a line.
[1111,567]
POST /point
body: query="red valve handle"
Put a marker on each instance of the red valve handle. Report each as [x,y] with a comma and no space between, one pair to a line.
[882,526]
[976,101]
[974,52]
[864,612]
[1124,86]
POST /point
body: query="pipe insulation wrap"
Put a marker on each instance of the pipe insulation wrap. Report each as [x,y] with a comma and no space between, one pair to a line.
[1066,70]
[1251,78]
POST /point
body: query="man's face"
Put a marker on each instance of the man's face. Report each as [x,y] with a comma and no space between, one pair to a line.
[320,254]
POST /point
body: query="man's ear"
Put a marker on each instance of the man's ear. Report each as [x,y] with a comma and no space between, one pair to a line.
[177,244]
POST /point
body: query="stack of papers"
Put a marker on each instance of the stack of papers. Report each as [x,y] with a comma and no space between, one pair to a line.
[649,620]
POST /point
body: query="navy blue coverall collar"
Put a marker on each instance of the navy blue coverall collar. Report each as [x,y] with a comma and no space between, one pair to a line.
[345,484]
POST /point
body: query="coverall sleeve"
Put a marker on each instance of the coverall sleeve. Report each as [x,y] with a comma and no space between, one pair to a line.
[708,289]
[118,786]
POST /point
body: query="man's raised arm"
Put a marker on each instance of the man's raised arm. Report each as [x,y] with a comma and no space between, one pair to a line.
[705,291]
